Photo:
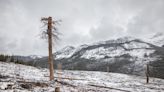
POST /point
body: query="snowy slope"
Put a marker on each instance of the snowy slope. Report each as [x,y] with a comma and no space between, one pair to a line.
[75,81]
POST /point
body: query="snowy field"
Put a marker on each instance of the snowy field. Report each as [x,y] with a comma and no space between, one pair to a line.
[20,78]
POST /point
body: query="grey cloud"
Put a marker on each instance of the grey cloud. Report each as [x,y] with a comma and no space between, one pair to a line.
[139,18]
[149,20]
[106,30]
[83,21]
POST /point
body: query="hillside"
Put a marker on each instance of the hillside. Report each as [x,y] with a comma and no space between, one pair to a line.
[21,78]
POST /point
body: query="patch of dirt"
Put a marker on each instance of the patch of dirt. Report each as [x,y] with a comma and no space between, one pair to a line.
[30,85]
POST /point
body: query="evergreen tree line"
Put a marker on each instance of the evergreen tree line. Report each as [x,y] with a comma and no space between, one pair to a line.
[4,58]
[14,59]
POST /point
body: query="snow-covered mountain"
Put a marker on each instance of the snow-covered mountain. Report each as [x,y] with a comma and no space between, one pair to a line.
[124,55]
[119,47]
[111,48]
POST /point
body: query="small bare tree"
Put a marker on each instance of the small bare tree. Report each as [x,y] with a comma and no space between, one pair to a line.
[51,34]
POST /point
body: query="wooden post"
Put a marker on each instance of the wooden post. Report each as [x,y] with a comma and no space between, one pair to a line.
[57,89]
[147,73]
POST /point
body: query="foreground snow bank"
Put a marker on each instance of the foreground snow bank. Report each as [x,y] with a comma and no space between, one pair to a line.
[13,76]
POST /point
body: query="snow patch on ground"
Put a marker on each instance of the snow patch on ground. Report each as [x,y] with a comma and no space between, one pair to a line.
[76,81]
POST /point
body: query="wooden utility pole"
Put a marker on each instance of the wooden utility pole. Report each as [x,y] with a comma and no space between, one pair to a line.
[107,68]
[50,57]
[147,73]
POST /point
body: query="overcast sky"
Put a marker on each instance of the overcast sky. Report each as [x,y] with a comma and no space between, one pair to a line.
[83,21]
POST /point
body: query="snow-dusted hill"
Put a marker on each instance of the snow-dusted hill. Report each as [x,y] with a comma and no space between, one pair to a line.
[130,53]
[21,78]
